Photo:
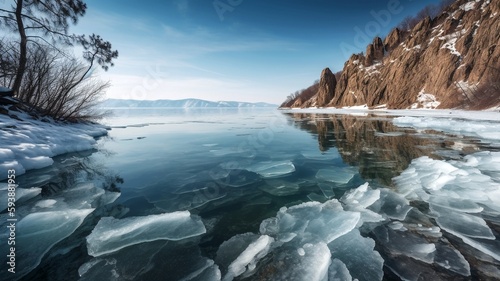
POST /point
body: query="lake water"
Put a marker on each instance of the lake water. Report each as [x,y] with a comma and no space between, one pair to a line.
[271,196]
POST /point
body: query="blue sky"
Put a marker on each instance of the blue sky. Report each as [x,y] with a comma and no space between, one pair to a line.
[244,50]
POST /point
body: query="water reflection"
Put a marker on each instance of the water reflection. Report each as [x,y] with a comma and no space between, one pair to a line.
[380,149]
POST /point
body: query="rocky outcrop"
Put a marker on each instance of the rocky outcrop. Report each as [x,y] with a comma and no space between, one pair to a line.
[374,52]
[450,61]
[392,40]
[327,84]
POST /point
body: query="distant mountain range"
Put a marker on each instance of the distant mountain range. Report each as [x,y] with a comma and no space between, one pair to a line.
[184,103]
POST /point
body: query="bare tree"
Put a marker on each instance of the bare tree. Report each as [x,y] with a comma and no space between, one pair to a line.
[48,21]
[60,86]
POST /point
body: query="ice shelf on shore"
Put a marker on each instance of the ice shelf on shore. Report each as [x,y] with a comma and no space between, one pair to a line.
[112,234]
[30,144]
[489,130]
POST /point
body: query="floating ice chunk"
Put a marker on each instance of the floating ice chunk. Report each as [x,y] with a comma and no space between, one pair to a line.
[339,176]
[405,243]
[210,272]
[22,195]
[327,190]
[287,264]
[326,221]
[240,178]
[359,199]
[391,204]
[452,260]
[361,196]
[338,271]
[41,231]
[316,197]
[489,247]
[357,253]
[410,270]
[112,234]
[279,187]
[49,203]
[247,260]
[273,169]
[456,204]
[232,248]
[151,261]
[461,224]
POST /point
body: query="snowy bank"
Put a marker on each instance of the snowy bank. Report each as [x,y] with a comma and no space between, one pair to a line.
[486,115]
[26,143]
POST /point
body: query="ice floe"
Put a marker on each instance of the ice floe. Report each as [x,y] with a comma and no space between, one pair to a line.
[359,256]
[112,234]
[273,169]
[41,231]
[338,176]
[247,260]
[461,195]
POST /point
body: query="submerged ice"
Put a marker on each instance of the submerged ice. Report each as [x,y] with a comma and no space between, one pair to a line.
[112,234]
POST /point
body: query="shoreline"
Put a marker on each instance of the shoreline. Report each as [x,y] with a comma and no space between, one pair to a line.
[29,143]
[484,115]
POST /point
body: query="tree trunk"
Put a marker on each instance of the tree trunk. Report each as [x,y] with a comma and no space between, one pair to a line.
[22,48]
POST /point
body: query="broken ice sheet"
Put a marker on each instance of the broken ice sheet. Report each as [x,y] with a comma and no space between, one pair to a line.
[272,169]
[338,271]
[254,248]
[359,256]
[462,224]
[42,230]
[308,262]
[324,222]
[405,243]
[327,190]
[451,259]
[22,195]
[112,234]
[338,175]
[152,261]
[278,187]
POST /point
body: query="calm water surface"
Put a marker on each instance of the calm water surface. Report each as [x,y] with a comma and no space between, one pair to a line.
[236,169]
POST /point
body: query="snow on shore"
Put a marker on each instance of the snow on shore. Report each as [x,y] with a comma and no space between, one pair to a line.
[485,115]
[27,144]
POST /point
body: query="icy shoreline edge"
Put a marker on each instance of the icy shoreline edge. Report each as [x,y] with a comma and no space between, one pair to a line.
[28,143]
[492,114]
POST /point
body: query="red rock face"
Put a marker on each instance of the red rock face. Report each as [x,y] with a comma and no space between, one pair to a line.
[451,61]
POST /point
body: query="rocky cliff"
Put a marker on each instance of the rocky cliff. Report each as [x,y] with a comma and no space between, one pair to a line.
[450,61]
